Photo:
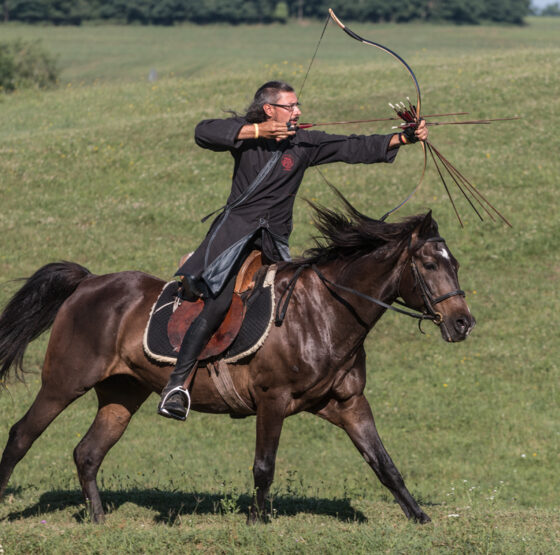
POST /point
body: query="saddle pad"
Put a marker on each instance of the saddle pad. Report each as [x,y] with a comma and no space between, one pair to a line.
[259,315]
[254,330]
[156,341]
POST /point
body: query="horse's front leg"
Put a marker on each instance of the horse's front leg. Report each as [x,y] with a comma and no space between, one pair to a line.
[270,418]
[355,417]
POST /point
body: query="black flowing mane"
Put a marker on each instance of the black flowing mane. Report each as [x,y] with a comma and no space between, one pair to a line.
[350,234]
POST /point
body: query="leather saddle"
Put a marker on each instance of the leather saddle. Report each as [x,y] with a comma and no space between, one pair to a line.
[186,312]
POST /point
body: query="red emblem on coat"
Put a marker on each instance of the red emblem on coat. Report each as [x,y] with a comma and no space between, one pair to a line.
[287,162]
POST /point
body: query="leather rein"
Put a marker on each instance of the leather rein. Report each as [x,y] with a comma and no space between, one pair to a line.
[427,296]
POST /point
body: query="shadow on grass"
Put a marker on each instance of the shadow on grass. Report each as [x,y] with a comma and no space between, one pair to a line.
[170,506]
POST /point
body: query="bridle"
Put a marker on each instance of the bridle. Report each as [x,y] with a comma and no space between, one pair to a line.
[427,296]
[425,292]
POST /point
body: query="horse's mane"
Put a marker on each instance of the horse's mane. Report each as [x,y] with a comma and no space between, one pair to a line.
[349,234]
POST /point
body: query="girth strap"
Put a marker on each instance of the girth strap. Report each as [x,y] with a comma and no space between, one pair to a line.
[226,388]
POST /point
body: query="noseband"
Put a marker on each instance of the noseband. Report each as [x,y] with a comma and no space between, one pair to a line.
[427,296]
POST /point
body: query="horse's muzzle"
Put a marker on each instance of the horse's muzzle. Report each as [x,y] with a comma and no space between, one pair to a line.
[457,327]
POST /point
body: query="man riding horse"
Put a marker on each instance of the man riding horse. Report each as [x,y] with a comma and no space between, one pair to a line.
[271,155]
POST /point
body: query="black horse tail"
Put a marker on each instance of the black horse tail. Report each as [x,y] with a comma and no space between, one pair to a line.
[32,310]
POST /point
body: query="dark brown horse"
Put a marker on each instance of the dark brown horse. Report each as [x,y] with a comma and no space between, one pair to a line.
[315,361]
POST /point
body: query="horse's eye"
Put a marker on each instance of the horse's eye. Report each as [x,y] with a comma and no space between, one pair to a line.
[430,265]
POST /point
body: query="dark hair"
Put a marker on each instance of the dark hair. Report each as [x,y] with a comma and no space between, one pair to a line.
[266,94]
[352,234]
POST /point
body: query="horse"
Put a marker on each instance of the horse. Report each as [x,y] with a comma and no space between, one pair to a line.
[314,361]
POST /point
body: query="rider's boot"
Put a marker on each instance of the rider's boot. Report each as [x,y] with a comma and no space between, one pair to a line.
[174,395]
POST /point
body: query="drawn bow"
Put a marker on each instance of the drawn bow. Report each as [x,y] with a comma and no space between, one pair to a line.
[411,117]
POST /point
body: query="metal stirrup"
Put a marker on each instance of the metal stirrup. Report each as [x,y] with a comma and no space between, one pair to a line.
[178,389]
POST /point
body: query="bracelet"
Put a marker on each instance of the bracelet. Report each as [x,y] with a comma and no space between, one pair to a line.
[256,125]
[401,140]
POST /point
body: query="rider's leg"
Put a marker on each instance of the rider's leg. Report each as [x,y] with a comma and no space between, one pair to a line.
[173,396]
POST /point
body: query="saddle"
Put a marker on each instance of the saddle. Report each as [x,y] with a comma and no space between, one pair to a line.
[243,330]
[186,312]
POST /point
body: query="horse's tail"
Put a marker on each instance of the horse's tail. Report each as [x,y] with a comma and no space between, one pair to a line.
[32,310]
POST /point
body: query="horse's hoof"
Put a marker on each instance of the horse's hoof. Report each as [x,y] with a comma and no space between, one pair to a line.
[256,517]
[98,518]
[422,518]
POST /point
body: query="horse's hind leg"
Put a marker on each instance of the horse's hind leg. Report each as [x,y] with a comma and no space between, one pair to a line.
[354,416]
[48,404]
[119,398]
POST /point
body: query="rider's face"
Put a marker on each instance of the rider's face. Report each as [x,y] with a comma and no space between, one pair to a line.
[285,108]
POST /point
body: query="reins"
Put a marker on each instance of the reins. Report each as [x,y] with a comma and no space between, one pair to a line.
[417,314]
[425,293]
[287,295]
[281,310]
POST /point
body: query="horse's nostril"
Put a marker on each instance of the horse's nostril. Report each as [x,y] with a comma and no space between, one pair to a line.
[461,325]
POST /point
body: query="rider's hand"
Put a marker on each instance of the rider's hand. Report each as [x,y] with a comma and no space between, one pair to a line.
[416,133]
[267,130]
[421,132]
[275,130]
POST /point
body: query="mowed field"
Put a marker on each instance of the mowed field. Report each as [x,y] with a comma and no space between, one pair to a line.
[104,171]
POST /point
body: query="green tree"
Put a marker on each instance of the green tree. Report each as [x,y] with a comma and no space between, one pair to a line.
[551,9]
[29,11]
[7,69]
[168,12]
[458,11]
[25,65]
[281,12]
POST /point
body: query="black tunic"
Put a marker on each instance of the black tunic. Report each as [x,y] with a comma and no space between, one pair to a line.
[267,212]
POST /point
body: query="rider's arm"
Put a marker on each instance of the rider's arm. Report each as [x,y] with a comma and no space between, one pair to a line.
[227,134]
[351,149]
[265,130]
[358,149]
[219,134]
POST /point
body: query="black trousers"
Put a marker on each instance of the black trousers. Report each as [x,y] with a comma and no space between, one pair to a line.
[216,307]
[207,322]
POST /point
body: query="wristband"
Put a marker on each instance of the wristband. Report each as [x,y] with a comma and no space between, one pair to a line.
[401,140]
[256,125]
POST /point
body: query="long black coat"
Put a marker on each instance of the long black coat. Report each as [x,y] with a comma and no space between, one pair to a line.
[267,212]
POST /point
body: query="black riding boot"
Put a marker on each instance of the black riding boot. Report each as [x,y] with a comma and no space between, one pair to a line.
[174,395]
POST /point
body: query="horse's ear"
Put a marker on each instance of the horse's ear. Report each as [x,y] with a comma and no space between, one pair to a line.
[422,230]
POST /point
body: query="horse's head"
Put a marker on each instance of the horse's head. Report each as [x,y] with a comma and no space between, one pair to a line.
[429,282]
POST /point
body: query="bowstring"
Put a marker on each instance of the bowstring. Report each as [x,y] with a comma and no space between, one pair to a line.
[305,79]
[360,39]
[314,55]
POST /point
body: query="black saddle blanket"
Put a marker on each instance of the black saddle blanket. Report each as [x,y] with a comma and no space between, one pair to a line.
[254,329]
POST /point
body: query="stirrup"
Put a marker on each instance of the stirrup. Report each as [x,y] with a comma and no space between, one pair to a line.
[178,389]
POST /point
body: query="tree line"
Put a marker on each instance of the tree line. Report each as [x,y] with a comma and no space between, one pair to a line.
[169,12]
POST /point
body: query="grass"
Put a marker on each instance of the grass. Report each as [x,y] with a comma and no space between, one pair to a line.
[104,171]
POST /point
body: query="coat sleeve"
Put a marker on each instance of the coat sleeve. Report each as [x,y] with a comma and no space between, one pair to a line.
[352,149]
[219,134]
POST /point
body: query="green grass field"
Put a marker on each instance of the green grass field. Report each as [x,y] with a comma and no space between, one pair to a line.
[104,171]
